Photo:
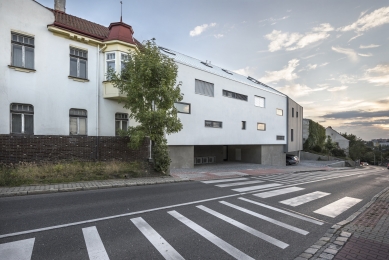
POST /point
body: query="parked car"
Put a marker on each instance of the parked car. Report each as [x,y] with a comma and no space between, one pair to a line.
[364,164]
[292,159]
[388,166]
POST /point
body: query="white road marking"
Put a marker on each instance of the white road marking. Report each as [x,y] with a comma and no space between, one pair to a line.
[276,222]
[223,245]
[94,245]
[163,247]
[244,227]
[296,201]
[237,183]
[225,180]
[273,193]
[334,209]
[17,250]
[283,211]
[258,187]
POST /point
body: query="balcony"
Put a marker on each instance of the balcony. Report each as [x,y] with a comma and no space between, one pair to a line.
[110,92]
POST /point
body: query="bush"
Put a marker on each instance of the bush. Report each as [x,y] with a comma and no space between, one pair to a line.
[317,148]
[337,152]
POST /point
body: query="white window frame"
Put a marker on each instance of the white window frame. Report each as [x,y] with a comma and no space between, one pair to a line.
[23,45]
[257,101]
[109,60]
[278,110]
[119,118]
[22,112]
[126,55]
[78,57]
[78,120]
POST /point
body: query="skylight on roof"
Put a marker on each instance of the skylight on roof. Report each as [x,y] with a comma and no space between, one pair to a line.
[206,64]
[228,72]
[167,50]
[253,80]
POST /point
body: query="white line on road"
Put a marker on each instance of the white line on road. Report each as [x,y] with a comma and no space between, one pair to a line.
[17,250]
[94,245]
[237,183]
[225,180]
[223,245]
[296,201]
[246,228]
[283,211]
[334,209]
[273,193]
[258,187]
[163,247]
[276,222]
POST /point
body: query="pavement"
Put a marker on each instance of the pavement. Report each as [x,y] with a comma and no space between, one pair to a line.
[363,235]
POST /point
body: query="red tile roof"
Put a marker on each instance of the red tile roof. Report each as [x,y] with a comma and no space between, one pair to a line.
[85,27]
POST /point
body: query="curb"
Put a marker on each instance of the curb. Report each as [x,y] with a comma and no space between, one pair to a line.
[90,187]
[334,239]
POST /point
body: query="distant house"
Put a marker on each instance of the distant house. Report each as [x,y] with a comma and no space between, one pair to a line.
[337,138]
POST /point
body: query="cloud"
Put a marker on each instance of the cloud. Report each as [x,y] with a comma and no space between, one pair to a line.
[378,75]
[309,67]
[200,29]
[352,55]
[324,64]
[356,114]
[383,101]
[365,55]
[273,20]
[292,41]
[376,122]
[247,71]
[369,46]
[218,36]
[287,73]
[346,79]
[298,90]
[369,21]
[337,88]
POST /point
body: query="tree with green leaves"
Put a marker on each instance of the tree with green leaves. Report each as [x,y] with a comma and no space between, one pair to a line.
[357,148]
[329,146]
[149,81]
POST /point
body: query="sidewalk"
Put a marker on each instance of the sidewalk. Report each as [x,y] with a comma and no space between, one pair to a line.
[364,235]
[85,185]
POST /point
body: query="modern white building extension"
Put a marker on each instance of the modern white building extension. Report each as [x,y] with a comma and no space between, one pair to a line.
[52,83]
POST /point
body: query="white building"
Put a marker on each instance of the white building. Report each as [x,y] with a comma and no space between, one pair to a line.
[52,83]
[337,138]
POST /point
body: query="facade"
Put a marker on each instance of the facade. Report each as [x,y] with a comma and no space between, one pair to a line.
[341,142]
[53,87]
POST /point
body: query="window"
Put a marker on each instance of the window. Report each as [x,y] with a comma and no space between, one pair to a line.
[78,63]
[214,124]
[204,88]
[253,80]
[121,122]
[77,121]
[110,62]
[261,126]
[227,71]
[182,107]
[292,111]
[291,135]
[22,51]
[280,137]
[297,114]
[167,50]
[22,119]
[243,125]
[259,101]
[124,57]
[279,112]
[230,94]
[208,64]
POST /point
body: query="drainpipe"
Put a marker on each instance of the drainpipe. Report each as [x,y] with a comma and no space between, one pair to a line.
[97,100]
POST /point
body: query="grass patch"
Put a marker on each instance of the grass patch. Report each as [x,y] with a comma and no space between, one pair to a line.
[62,172]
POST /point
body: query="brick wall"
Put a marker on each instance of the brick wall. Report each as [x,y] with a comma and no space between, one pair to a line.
[38,148]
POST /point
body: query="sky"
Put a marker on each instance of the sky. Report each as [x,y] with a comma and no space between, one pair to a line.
[332,57]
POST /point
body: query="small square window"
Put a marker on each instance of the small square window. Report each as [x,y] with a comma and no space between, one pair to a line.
[259,101]
[261,126]
[279,112]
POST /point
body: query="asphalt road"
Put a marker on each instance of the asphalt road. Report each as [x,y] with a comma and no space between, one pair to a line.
[270,217]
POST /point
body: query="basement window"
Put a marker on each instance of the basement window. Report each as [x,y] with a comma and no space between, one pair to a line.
[121,122]
[22,119]
[77,121]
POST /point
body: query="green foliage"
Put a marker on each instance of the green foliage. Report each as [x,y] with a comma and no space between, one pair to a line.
[338,152]
[316,137]
[149,82]
[317,148]
[357,148]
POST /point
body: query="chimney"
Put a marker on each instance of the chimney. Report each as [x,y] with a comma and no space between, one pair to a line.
[60,5]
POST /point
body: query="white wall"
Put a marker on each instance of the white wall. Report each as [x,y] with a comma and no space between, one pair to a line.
[337,138]
[48,89]
[228,110]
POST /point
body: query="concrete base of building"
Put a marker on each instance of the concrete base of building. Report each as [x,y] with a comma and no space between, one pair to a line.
[182,156]
[245,153]
[273,155]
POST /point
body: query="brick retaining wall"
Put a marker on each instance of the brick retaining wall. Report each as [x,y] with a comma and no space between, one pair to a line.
[39,148]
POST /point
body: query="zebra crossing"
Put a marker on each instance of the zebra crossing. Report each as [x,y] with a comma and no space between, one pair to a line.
[280,184]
